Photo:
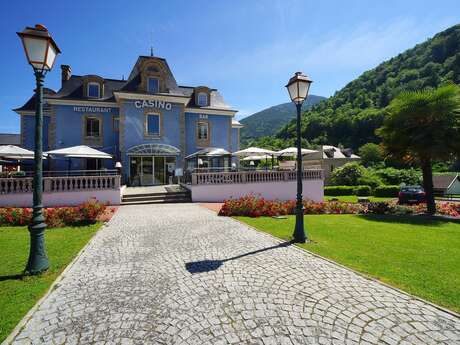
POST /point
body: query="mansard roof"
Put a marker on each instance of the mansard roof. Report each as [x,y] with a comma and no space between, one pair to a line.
[72,89]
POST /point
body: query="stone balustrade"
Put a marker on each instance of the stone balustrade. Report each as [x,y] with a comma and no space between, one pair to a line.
[212,178]
[60,184]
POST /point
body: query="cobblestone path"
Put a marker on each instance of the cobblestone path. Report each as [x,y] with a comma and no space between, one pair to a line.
[178,274]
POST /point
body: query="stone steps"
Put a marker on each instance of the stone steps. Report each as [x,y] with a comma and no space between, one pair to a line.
[156,198]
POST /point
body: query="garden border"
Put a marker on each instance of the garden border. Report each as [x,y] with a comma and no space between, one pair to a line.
[55,284]
[365,276]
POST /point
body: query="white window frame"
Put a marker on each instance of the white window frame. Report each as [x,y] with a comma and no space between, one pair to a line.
[146,125]
[148,84]
[198,99]
[99,127]
[98,89]
[199,124]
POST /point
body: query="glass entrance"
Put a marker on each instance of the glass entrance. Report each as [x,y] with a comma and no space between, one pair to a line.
[148,171]
[159,176]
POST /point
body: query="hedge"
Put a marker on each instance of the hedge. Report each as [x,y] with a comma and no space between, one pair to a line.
[348,190]
[387,191]
[339,190]
[362,190]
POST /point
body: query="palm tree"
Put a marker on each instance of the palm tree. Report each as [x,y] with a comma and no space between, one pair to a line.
[422,127]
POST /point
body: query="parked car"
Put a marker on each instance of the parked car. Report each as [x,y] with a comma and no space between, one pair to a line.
[411,195]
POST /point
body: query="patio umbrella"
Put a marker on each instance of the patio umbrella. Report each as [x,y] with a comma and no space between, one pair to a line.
[80,151]
[253,151]
[15,152]
[209,151]
[256,158]
[292,152]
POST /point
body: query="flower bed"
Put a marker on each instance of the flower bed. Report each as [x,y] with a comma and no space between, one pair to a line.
[86,213]
[255,206]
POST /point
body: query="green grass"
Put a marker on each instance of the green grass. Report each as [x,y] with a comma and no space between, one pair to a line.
[354,198]
[419,256]
[17,295]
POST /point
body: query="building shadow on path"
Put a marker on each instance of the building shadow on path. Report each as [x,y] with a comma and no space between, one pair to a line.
[212,265]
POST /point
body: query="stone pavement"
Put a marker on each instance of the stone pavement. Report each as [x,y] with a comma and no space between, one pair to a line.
[178,274]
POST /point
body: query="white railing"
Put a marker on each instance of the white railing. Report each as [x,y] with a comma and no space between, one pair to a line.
[253,176]
[60,184]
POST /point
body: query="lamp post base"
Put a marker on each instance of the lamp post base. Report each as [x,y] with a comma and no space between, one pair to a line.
[38,261]
[299,230]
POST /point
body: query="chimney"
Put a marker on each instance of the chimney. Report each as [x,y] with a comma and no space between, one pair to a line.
[66,72]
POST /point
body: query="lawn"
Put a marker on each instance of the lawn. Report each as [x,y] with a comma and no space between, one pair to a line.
[419,256]
[354,198]
[18,295]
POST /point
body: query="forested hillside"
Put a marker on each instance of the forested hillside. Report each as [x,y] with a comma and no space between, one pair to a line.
[350,117]
[271,120]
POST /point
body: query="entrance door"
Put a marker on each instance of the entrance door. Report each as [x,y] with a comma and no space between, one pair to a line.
[159,168]
[135,171]
[147,171]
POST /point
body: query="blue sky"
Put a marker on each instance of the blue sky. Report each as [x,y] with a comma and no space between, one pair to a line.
[246,49]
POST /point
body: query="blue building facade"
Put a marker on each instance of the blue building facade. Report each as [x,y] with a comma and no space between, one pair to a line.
[155,128]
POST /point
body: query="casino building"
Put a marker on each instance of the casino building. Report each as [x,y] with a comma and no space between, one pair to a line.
[153,126]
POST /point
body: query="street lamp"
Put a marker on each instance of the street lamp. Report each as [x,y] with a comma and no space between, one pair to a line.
[298,87]
[41,51]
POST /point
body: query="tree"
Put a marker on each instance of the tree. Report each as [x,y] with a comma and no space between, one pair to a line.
[370,154]
[348,175]
[423,127]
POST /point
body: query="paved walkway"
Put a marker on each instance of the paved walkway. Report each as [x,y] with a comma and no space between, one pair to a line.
[178,274]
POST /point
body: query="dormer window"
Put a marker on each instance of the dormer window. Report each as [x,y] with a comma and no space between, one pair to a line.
[94,90]
[153,85]
[202,99]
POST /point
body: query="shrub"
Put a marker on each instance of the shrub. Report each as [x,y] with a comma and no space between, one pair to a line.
[87,213]
[386,191]
[377,208]
[254,206]
[370,180]
[348,174]
[370,154]
[338,190]
[362,190]
[392,176]
[387,208]
[18,174]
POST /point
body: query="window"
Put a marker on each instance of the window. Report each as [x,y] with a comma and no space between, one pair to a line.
[93,90]
[202,99]
[93,163]
[203,129]
[92,127]
[152,125]
[153,85]
[116,124]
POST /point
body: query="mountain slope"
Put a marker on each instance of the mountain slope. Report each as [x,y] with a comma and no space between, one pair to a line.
[270,120]
[351,116]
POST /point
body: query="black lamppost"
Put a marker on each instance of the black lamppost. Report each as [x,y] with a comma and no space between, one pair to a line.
[298,87]
[41,51]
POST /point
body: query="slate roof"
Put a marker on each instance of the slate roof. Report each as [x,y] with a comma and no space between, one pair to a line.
[332,152]
[443,181]
[72,89]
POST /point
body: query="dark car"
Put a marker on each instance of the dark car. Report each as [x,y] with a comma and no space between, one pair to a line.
[411,195]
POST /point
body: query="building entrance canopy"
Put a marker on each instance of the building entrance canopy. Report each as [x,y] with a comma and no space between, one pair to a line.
[153,150]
